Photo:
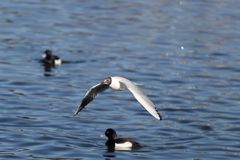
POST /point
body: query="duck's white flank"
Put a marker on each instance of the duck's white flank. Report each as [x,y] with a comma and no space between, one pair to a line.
[123,145]
[58,61]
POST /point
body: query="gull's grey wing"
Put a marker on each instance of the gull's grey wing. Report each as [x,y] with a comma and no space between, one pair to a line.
[90,95]
[141,98]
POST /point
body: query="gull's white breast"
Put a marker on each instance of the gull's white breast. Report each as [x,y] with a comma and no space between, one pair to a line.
[116,83]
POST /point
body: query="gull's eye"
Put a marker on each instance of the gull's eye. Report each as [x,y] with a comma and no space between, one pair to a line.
[107,81]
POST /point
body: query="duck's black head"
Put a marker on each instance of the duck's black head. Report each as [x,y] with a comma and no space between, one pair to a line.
[48,53]
[110,133]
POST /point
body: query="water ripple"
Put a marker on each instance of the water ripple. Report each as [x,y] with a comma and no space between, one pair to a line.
[172,49]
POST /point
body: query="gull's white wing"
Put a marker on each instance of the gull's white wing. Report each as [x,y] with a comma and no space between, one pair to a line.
[138,94]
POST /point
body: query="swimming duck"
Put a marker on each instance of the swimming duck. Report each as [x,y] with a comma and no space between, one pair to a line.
[114,143]
[49,59]
[119,84]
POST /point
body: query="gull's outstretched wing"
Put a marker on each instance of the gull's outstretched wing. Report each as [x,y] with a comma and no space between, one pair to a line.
[90,95]
[141,98]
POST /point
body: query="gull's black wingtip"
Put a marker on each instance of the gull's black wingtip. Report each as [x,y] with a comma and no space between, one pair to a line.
[75,114]
[78,110]
[160,117]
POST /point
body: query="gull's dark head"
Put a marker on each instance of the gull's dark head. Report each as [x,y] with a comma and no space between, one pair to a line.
[110,133]
[107,81]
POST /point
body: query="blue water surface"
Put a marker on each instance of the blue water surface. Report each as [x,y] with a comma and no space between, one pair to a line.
[183,54]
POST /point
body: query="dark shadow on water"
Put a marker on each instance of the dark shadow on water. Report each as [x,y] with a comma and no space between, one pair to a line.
[112,153]
[109,155]
[54,158]
[73,62]
[48,68]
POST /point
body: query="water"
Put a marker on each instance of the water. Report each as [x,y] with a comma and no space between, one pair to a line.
[184,54]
